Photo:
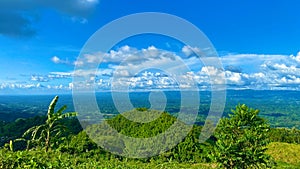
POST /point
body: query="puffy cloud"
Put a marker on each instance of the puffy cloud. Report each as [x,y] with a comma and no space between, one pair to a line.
[57,60]
[257,71]
[189,51]
[153,68]
[124,67]
[234,78]
[122,73]
[126,56]
[39,78]
[283,73]
[147,80]
[249,62]
[296,58]
[126,63]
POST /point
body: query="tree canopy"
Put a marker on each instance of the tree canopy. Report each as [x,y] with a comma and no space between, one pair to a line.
[242,139]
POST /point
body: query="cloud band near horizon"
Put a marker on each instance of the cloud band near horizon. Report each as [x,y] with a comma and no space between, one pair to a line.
[242,71]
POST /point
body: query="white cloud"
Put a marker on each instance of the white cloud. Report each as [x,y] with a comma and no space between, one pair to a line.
[126,56]
[296,58]
[121,73]
[258,71]
[234,78]
[79,63]
[39,78]
[57,60]
[189,51]
[127,63]
[59,74]
[153,68]
[21,85]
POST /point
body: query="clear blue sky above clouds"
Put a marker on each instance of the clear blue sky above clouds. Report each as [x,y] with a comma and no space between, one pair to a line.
[258,41]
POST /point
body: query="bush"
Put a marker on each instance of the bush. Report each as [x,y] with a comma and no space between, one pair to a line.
[242,140]
[78,144]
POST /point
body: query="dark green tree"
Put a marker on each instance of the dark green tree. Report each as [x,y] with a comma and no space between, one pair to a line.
[241,140]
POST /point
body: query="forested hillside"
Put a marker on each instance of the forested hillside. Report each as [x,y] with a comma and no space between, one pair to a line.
[25,143]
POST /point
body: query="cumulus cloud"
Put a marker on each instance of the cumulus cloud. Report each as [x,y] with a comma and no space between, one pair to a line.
[126,56]
[17,17]
[128,61]
[57,60]
[153,68]
[264,71]
[234,78]
[146,81]
[127,66]
[192,51]
[242,71]
[296,58]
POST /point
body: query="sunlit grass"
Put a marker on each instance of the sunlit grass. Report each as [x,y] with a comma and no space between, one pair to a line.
[285,154]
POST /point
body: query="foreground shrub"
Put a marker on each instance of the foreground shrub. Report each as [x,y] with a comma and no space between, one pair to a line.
[242,140]
[36,159]
[49,133]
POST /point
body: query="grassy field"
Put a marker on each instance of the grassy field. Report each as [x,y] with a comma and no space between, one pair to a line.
[285,154]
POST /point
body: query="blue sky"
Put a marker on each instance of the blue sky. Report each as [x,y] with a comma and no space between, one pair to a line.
[258,43]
